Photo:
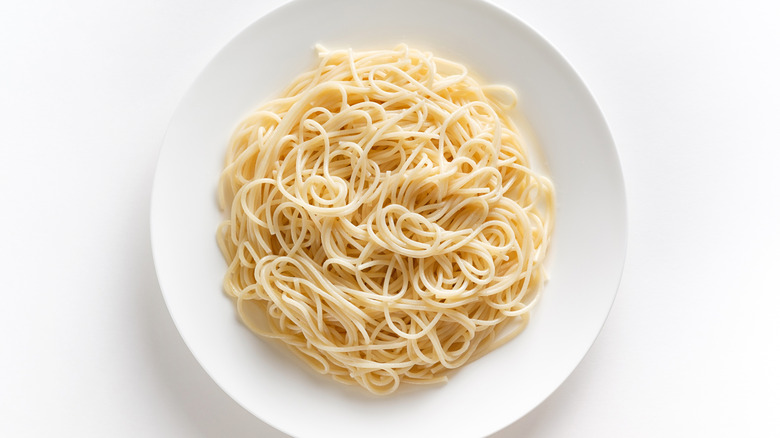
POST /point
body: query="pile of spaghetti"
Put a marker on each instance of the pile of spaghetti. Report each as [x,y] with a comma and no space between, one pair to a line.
[383,221]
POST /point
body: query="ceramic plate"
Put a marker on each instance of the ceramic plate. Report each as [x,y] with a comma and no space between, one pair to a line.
[574,145]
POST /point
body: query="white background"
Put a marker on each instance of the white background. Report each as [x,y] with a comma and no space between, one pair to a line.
[690,89]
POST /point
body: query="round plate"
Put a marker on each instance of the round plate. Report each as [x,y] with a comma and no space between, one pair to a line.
[588,243]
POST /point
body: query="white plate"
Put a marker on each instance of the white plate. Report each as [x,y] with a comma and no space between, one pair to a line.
[588,247]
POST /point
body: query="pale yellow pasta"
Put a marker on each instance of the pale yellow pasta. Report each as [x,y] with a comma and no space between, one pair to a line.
[383,220]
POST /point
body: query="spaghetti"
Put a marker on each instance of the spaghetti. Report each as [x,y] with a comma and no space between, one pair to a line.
[383,218]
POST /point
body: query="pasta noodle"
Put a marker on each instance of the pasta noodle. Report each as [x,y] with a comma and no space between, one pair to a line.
[383,219]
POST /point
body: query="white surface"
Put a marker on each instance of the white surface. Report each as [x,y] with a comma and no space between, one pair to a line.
[590,205]
[690,92]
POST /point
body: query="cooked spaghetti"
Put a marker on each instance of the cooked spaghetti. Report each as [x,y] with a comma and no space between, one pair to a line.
[383,218]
